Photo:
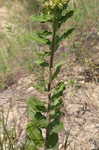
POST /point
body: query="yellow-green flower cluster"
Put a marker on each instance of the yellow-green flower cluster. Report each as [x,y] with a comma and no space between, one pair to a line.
[55,3]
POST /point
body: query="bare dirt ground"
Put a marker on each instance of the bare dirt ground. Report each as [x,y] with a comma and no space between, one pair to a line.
[81,108]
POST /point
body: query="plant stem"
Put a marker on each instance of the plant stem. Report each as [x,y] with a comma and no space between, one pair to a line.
[50,81]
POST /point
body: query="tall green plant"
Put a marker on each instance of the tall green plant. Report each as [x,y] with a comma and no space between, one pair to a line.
[45,125]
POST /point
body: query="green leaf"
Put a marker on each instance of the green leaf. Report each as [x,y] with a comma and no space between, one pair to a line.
[57,104]
[44,33]
[65,35]
[43,54]
[57,115]
[39,116]
[36,105]
[30,145]
[42,18]
[31,112]
[42,63]
[58,92]
[53,123]
[42,123]
[58,128]
[64,18]
[35,37]
[57,71]
[39,39]
[52,140]
[35,134]
[39,123]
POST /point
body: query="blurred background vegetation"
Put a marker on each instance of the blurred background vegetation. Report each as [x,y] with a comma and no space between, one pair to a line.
[17,52]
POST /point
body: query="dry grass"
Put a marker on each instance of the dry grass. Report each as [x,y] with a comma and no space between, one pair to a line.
[16,51]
